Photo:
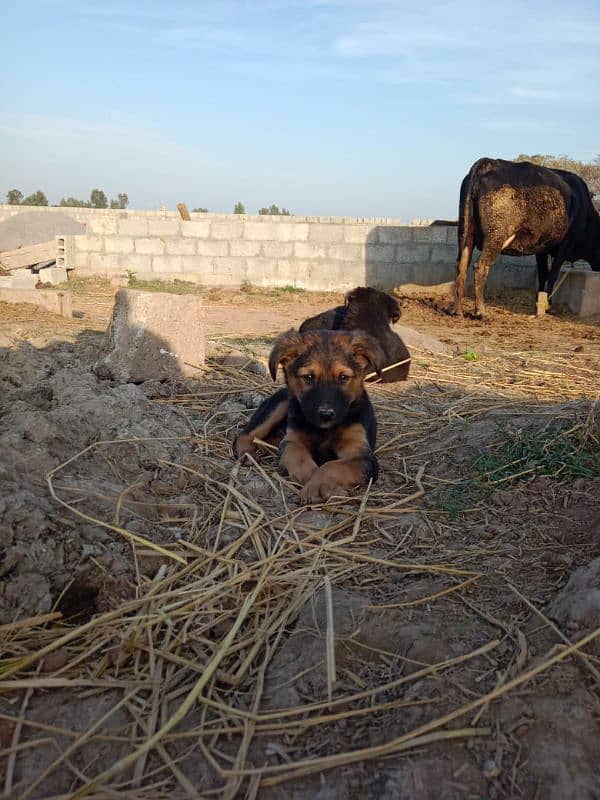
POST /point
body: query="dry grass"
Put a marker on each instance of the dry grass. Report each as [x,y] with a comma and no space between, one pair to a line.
[189,652]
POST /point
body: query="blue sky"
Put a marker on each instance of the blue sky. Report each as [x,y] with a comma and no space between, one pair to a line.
[372,108]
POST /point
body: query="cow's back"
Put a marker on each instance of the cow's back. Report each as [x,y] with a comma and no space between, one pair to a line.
[519,208]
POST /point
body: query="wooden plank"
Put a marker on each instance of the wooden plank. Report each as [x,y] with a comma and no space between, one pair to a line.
[183,212]
[28,256]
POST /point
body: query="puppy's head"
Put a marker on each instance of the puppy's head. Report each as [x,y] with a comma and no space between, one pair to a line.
[324,371]
[377,300]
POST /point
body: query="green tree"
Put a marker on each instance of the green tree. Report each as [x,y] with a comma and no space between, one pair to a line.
[122,201]
[14,197]
[73,202]
[239,208]
[98,199]
[200,210]
[588,170]
[36,199]
[274,211]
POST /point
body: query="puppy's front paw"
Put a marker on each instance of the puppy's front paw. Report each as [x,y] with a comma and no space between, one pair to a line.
[244,445]
[320,488]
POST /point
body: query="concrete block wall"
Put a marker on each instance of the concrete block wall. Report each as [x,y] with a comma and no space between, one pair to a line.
[315,253]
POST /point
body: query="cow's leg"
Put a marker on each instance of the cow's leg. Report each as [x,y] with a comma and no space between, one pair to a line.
[462,265]
[557,262]
[542,268]
[486,261]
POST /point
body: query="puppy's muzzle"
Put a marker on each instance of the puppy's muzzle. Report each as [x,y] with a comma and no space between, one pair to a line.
[326,415]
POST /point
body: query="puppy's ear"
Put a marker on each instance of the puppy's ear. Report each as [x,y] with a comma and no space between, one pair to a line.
[368,352]
[286,347]
[350,296]
[392,308]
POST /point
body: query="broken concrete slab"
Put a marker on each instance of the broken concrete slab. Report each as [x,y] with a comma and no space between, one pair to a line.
[56,302]
[153,335]
[415,340]
[579,293]
[24,279]
[53,275]
[25,257]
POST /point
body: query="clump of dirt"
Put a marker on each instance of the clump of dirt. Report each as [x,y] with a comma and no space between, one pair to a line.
[52,407]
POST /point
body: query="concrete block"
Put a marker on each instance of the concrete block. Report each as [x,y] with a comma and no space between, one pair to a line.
[206,247]
[105,226]
[260,231]
[153,335]
[394,234]
[150,247]
[242,249]
[135,262]
[379,252]
[53,275]
[198,228]
[226,230]
[292,232]
[435,234]
[309,250]
[277,249]
[332,234]
[346,252]
[235,269]
[166,227]
[579,293]
[118,244]
[171,264]
[452,235]
[133,227]
[81,260]
[104,264]
[65,251]
[443,252]
[22,279]
[180,247]
[412,253]
[356,234]
[56,302]
[89,244]
[198,265]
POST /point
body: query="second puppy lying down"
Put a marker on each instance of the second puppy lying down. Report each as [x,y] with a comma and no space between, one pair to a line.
[372,311]
[323,413]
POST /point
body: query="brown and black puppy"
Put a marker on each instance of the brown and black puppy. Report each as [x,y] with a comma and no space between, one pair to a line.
[372,311]
[323,413]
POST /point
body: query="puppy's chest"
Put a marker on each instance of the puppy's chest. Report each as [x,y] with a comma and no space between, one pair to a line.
[322,446]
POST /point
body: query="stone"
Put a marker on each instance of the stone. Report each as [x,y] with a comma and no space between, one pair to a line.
[53,275]
[579,293]
[57,302]
[153,335]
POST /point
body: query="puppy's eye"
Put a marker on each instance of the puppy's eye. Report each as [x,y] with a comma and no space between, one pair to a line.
[343,378]
[308,378]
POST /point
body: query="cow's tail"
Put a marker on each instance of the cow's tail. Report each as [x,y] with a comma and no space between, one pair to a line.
[466,230]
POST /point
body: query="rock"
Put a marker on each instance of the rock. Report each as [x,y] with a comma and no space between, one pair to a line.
[576,608]
[153,335]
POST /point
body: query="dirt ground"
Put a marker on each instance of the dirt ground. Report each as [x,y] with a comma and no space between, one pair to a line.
[411,643]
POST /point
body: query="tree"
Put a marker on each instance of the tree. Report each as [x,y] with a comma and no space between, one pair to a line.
[98,199]
[200,210]
[239,208]
[36,199]
[73,202]
[122,201]
[274,210]
[588,170]
[14,197]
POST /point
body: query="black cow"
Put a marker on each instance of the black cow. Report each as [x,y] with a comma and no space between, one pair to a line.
[523,209]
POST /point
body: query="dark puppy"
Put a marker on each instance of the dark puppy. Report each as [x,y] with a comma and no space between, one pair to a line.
[372,311]
[324,412]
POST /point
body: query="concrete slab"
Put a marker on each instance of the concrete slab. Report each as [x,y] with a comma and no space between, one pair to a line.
[56,302]
[53,275]
[579,293]
[23,279]
[153,335]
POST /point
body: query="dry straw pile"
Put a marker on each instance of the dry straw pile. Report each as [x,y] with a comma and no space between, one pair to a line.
[187,655]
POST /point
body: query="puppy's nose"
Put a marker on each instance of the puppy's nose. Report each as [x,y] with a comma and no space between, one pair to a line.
[326,414]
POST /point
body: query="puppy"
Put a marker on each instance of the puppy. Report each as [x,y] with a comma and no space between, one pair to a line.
[372,311]
[323,413]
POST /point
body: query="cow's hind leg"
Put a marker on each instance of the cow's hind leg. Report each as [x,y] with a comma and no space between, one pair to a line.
[462,265]
[486,261]
[542,268]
